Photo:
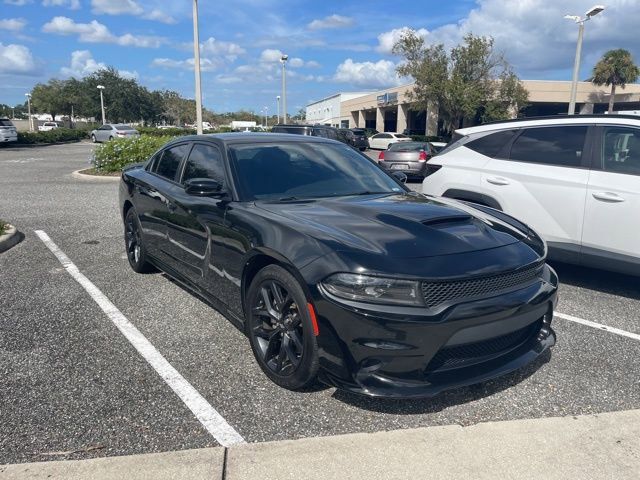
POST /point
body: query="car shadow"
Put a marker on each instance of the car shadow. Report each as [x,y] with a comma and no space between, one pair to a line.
[445,399]
[600,280]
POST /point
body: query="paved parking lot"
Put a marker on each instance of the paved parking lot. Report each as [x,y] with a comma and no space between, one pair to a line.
[74,387]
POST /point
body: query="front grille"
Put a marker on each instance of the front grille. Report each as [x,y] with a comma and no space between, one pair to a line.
[459,356]
[436,293]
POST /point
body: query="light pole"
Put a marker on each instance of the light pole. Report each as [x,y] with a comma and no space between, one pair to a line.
[592,12]
[278,106]
[283,60]
[101,88]
[28,95]
[266,121]
[196,57]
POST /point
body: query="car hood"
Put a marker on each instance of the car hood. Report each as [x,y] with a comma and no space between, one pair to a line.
[398,225]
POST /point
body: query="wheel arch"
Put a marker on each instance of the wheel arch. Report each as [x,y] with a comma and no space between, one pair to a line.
[473,197]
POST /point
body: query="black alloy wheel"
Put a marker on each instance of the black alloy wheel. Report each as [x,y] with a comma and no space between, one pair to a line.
[280,329]
[136,253]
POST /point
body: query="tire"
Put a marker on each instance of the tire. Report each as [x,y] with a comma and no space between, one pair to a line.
[110,138]
[136,253]
[281,334]
[93,139]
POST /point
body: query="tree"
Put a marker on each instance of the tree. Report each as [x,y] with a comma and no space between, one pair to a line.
[615,69]
[469,82]
[49,98]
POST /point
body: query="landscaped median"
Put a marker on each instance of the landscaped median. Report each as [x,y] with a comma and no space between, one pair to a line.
[58,135]
[9,236]
[113,156]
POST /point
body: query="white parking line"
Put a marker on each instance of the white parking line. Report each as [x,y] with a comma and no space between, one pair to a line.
[212,421]
[599,326]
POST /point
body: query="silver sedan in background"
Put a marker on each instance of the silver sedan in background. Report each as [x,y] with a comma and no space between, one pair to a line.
[409,158]
[109,131]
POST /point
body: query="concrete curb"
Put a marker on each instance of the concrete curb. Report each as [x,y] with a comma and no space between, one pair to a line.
[88,176]
[10,239]
[602,446]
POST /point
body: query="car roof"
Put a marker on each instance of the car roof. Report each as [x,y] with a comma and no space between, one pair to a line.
[552,120]
[235,138]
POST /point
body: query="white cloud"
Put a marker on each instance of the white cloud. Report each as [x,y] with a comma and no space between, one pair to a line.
[206,65]
[116,7]
[159,16]
[16,59]
[12,24]
[332,21]
[270,55]
[82,64]
[215,48]
[313,64]
[18,3]
[380,74]
[71,4]
[387,40]
[96,32]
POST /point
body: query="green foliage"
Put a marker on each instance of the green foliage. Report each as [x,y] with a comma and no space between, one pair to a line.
[52,136]
[426,138]
[471,81]
[115,154]
[163,132]
[616,68]
[4,226]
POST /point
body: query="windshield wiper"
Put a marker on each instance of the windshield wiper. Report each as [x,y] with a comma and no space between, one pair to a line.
[367,192]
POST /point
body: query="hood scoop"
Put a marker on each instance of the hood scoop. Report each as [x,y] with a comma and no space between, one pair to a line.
[446,221]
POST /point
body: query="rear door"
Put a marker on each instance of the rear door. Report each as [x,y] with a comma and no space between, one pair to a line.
[613,195]
[541,178]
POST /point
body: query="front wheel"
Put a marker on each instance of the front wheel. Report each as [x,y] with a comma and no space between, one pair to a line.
[280,329]
[136,253]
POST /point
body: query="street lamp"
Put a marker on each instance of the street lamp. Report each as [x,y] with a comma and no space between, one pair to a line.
[592,12]
[196,58]
[101,88]
[266,121]
[283,61]
[28,95]
[278,105]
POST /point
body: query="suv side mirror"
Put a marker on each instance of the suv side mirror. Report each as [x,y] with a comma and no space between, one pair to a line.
[400,176]
[203,187]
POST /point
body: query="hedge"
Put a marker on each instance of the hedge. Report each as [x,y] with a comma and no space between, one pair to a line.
[112,156]
[163,132]
[427,138]
[52,136]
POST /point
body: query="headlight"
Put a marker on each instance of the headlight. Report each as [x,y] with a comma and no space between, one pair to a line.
[365,288]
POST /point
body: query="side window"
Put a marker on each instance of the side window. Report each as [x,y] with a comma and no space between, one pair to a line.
[491,145]
[621,150]
[332,134]
[561,146]
[384,135]
[151,164]
[205,161]
[319,132]
[167,165]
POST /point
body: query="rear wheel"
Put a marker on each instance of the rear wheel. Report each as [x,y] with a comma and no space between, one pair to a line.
[136,253]
[110,138]
[93,138]
[280,329]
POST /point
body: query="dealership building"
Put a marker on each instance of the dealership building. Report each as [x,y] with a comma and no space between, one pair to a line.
[391,110]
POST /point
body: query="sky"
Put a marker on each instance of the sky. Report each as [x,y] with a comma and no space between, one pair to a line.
[333,46]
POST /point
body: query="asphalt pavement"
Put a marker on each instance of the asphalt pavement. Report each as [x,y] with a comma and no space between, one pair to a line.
[74,387]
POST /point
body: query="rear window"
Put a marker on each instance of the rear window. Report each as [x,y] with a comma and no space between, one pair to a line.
[408,147]
[4,122]
[359,131]
[491,145]
[295,130]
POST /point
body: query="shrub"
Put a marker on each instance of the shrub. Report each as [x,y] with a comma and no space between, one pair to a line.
[52,136]
[116,154]
[163,132]
[4,226]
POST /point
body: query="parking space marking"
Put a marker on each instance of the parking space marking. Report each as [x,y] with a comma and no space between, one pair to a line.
[599,326]
[212,421]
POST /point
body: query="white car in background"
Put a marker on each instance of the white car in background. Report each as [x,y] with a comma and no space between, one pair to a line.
[48,126]
[8,131]
[381,141]
[575,180]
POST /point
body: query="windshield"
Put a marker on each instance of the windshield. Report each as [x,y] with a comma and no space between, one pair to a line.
[297,170]
[407,147]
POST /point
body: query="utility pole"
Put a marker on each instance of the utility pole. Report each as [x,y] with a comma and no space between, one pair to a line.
[196,57]
[283,60]
[28,95]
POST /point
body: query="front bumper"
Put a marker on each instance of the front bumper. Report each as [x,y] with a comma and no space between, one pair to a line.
[405,353]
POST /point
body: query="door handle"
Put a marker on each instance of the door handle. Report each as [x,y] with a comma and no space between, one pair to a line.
[498,180]
[608,197]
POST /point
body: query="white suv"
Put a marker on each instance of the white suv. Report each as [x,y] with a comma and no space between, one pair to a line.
[575,180]
[8,132]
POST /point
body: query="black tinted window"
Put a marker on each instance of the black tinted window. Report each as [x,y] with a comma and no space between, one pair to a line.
[621,150]
[320,132]
[5,123]
[168,164]
[560,146]
[205,161]
[383,135]
[490,145]
[409,147]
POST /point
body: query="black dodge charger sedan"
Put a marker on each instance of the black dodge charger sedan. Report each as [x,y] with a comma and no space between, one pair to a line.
[334,269]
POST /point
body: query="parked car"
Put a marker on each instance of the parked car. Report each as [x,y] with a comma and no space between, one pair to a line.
[360,139]
[323,131]
[407,157]
[48,126]
[574,179]
[438,146]
[334,269]
[8,131]
[109,131]
[381,141]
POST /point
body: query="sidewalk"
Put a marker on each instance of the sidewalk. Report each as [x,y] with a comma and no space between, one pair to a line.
[604,446]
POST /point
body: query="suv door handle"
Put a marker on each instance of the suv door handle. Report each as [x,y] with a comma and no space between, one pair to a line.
[498,180]
[608,197]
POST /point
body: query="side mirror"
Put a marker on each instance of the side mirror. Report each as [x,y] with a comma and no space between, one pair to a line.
[399,176]
[203,187]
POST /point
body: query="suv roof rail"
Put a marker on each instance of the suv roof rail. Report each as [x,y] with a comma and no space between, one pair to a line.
[562,117]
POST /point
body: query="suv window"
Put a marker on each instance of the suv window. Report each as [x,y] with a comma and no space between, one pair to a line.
[205,161]
[168,164]
[5,123]
[491,145]
[561,146]
[621,150]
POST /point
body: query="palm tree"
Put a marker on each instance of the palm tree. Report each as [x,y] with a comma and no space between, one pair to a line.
[615,68]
